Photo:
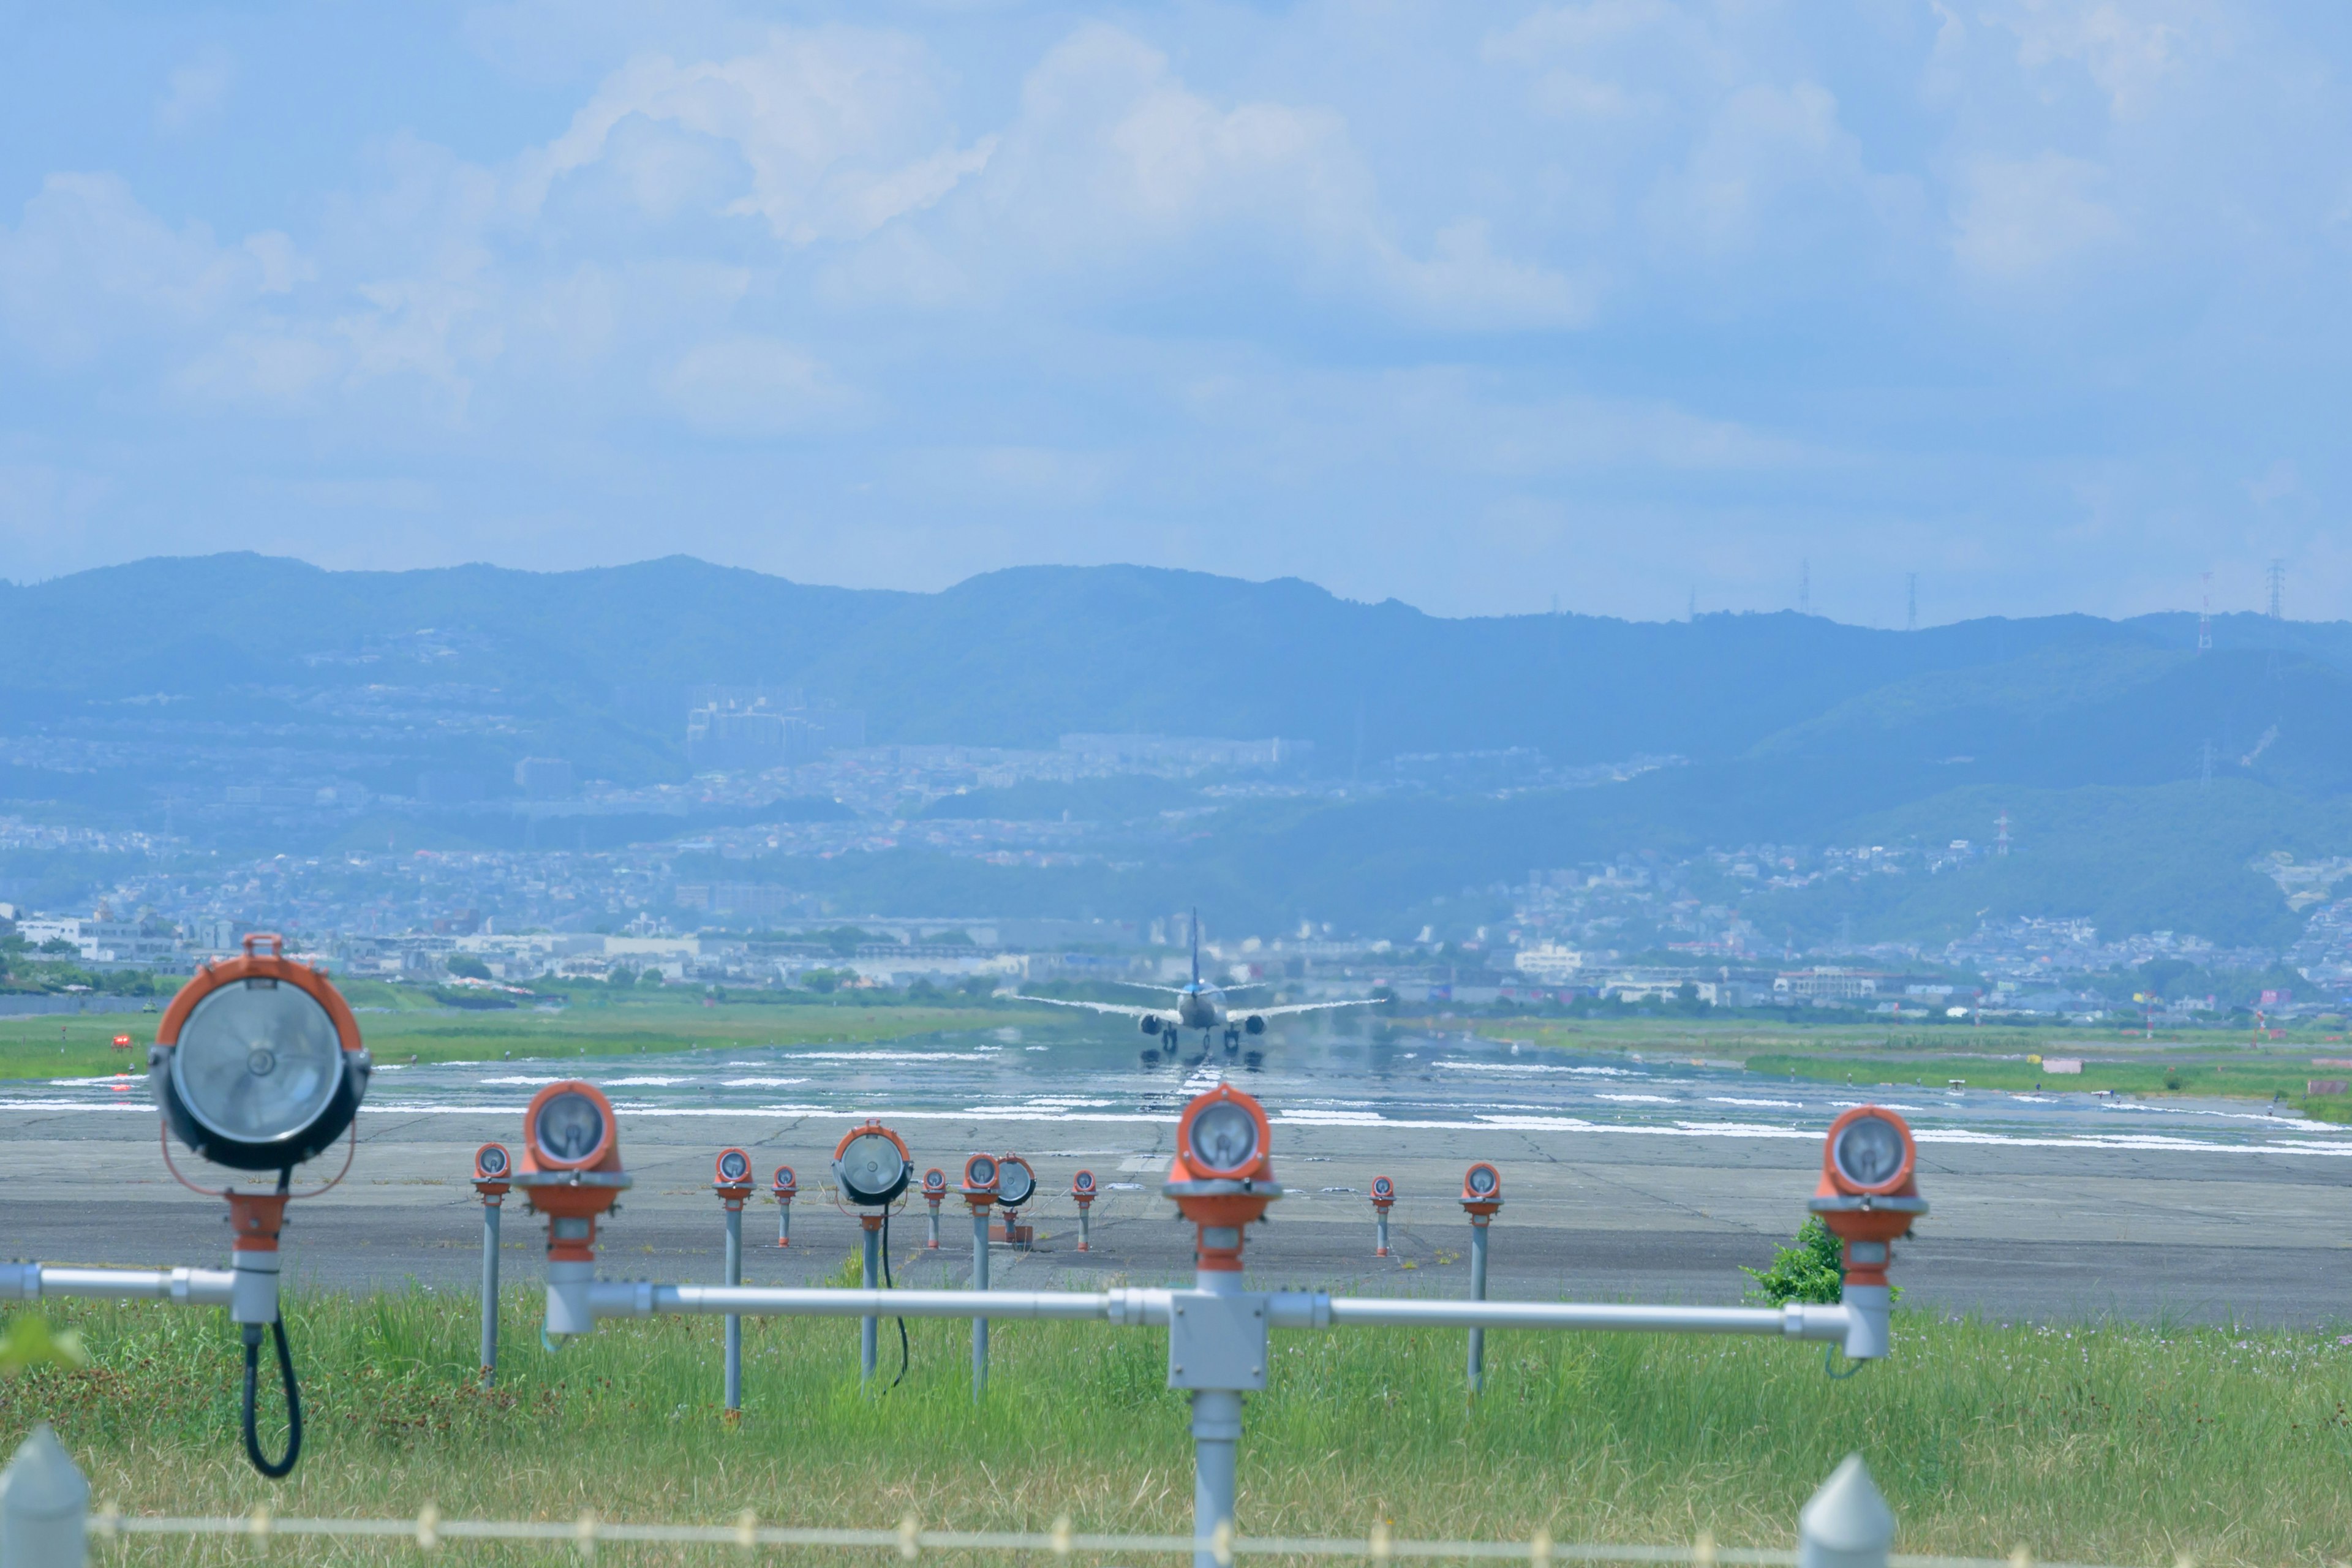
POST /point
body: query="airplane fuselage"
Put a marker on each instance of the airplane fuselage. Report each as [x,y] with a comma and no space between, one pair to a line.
[1200,1006]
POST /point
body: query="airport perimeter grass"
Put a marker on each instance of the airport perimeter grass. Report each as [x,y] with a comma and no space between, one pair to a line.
[2109,1445]
[68,1045]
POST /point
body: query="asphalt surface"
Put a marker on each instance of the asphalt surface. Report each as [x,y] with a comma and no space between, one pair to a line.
[1623,1179]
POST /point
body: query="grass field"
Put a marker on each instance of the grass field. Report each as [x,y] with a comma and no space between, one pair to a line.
[2116,1444]
[69,1046]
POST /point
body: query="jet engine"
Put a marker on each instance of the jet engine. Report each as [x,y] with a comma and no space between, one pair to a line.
[1150,1024]
[1254,1024]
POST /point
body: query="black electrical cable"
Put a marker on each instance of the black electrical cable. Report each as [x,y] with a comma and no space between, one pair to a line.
[888,1284]
[285,1467]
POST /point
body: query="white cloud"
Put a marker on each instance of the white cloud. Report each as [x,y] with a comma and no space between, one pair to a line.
[755,386]
[89,267]
[196,92]
[2019,218]
[841,129]
[2129,51]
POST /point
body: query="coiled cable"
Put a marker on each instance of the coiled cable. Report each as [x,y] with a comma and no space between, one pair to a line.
[277,1469]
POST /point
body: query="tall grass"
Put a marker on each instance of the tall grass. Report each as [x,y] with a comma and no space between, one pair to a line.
[2123,1444]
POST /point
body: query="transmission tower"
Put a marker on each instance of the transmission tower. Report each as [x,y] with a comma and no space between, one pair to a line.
[1805,585]
[2278,589]
[1911,601]
[2205,764]
[2000,839]
[2205,614]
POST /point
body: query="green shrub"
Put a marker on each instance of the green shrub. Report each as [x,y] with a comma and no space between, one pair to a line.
[1804,1270]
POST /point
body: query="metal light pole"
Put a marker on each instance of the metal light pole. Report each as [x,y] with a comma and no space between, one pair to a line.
[980,1193]
[491,1167]
[870,1329]
[731,1180]
[1482,1198]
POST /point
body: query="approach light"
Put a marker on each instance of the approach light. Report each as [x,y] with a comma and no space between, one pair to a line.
[1082,1186]
[1482,1192]
[1868,1198]
[569,1124]
[571,1175]
[935,1183]
[871,1166]
[1016,1184]
[1222,1179]
[1223,1135]
[731,1178]
[980,1181]
[492,1165]
[258,1064]
[1871,1153]
[784,1188]
[1383,1191]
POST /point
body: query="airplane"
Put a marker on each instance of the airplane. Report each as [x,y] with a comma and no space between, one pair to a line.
[1200,1006]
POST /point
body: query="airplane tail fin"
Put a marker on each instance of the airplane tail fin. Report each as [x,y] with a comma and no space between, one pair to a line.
[1196,947]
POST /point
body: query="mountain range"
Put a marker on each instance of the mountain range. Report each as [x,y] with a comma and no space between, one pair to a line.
[2141,773]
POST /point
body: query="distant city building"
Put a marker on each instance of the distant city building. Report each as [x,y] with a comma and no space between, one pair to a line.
[738,728]
[1187,751]
[1828,983]
[543,778]
[1548,961]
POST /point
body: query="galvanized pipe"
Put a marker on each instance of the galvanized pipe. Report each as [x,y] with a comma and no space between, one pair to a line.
[979,1283]
[734,1323]
[1794,1321]
[489,1292]
[1216,1449]
[1477,1293]
[870,1329]
[187,1287]
[629,1298]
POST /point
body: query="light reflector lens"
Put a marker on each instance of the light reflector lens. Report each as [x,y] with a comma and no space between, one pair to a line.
[870,1167]
[257,1062]
[735,1165]
[570,1127]
[1014,1183]
[1225,1137]
[1482,1179]
[1869,1151]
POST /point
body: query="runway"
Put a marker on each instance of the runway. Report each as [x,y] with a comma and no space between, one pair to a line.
[1624,1177]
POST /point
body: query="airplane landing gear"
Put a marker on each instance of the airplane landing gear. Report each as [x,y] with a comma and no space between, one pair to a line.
[1232,1040]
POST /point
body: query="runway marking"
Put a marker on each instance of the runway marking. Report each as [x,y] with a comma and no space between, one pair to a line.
[2155,1142]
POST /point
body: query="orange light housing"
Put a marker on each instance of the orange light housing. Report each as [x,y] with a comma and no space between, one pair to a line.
[1082,1188]
[785,1186]
[731,1177]
[493,1170]
[1383,1193]
[571,1165]
[980,1181]
[1482,1191]
[1222,1175]
[1869,1192]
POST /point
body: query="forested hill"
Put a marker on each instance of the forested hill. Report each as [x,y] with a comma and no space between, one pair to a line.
[1019,657]
[2152,771]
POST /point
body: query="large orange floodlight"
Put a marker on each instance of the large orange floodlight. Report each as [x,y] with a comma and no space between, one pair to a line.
[871,1166]
[257,1062]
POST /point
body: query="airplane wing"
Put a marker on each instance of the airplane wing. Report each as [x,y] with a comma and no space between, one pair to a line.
[1307,1007]
[1112,1007]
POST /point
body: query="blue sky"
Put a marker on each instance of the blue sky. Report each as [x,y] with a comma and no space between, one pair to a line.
[1622,303]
